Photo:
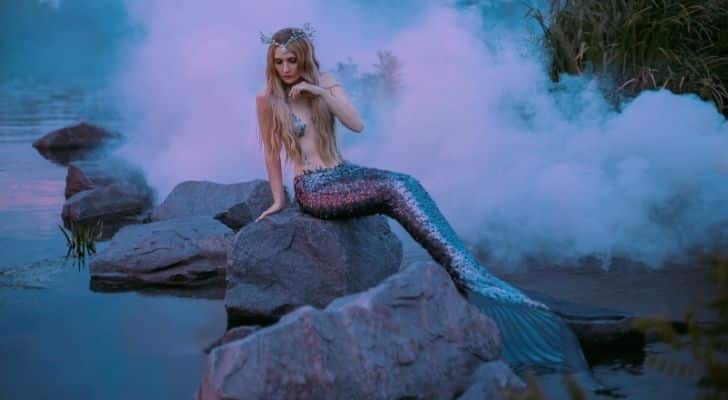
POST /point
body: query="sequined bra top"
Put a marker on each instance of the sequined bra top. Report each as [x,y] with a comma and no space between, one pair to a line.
[299,127]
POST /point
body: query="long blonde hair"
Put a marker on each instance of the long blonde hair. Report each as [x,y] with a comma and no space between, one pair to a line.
[276,129]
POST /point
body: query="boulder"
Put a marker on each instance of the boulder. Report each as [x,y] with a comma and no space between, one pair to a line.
[80,141]
[290,259]
[77,181]
[114,205]
[412,336]
[180,252]
[110,190]
[74,136]
[86,175]
[192,198]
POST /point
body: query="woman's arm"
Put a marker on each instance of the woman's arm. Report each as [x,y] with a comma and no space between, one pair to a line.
[332,92]
[338,102]
[272,150]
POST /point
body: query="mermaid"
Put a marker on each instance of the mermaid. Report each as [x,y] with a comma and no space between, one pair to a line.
[296,112]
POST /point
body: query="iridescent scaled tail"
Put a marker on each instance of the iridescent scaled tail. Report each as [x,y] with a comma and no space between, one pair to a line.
[532,335]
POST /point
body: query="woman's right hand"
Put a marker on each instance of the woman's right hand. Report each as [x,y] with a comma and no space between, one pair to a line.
[271,210]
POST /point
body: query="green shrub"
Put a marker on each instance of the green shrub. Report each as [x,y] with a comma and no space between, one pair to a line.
[681,45]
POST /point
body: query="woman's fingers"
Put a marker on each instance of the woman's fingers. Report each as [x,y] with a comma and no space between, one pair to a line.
[297,89]
[267,213]
[262,215]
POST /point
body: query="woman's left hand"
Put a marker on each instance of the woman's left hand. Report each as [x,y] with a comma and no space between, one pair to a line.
[306,87]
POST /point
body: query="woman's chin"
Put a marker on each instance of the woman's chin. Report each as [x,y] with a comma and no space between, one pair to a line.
[292,81]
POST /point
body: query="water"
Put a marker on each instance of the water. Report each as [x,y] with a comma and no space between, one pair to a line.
[60,339]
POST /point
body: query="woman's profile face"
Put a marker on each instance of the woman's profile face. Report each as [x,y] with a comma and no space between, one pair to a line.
[286,64]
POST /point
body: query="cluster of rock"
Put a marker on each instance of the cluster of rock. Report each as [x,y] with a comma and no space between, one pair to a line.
[326,312]
[182,245]
[99,187]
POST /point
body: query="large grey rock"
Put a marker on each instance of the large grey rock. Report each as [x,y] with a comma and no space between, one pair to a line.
[74,136]
[208,198]
[290,259]
[180,252]
[87,175]
[412,336]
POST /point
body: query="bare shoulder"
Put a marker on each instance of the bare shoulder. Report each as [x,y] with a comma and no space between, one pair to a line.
[262,104]
[260,95]
[261,99]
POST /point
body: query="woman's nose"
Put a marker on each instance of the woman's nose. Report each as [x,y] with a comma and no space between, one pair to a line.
[286,67]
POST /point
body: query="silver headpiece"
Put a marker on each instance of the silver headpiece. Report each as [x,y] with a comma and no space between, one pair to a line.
[306,31]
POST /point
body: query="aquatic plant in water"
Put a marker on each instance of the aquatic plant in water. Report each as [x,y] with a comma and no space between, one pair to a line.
[81,240]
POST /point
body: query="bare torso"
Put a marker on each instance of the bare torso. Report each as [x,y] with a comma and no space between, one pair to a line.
[310,157]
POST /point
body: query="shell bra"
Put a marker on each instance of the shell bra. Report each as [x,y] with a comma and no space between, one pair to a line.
[299,127]
[532,335]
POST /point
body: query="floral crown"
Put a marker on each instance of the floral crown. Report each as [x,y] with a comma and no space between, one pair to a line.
[305,32]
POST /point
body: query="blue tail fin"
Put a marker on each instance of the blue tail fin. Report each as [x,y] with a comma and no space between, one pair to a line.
[533,338]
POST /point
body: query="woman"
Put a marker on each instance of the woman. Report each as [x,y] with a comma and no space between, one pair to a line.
[296,112]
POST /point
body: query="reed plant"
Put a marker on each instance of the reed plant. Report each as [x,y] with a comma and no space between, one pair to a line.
[636,45]
[81,240]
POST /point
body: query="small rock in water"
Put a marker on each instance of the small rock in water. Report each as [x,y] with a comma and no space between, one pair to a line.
[76,142]
[75,136]
[182,252]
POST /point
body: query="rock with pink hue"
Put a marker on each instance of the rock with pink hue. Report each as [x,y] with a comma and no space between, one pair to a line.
[412,336]
[75,136]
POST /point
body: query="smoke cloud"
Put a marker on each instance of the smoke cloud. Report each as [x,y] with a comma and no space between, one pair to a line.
[520,165]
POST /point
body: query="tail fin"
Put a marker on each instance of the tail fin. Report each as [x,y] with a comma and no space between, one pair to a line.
[533,338]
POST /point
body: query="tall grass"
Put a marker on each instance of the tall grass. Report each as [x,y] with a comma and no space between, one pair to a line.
[681,45]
